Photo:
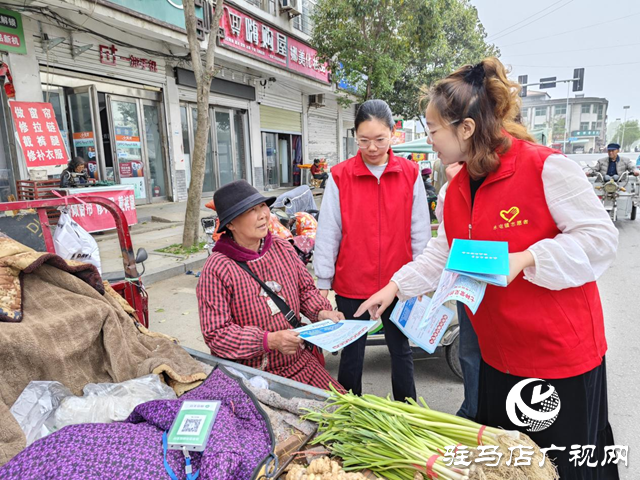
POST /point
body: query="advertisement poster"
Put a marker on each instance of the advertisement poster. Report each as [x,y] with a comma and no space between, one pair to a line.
[95,218]
[139,188]
[84,140]
[38,133]
[12,32]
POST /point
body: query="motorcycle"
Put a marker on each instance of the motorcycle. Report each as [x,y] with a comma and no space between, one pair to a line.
[619,196]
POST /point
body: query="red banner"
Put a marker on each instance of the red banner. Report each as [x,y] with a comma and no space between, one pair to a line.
[252,37]
[39,134]
[95,218]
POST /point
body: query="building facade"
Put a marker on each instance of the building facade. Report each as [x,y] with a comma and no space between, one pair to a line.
[118,76]
[546,119]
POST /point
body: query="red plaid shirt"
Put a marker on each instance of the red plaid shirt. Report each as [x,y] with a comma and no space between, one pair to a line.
[234,313]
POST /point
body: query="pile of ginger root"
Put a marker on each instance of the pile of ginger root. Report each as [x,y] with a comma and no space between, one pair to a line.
[322,469]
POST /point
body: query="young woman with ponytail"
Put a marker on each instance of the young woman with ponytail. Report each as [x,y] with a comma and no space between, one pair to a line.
[548,322]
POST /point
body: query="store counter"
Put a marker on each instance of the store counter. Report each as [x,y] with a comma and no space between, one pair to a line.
[94,218]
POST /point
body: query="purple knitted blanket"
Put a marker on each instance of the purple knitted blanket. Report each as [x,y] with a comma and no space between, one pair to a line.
[132,449]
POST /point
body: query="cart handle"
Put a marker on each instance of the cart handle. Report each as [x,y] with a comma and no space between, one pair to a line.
[122,226]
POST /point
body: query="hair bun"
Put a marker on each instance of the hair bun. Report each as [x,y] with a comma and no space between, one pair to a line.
[475,75]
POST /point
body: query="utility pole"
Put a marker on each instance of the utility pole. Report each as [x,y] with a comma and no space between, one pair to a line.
[624,125]
[568,81]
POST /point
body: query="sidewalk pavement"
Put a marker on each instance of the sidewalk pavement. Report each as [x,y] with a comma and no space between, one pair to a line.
[159,225]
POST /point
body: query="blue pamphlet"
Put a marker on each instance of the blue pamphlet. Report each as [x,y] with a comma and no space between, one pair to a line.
[482,260]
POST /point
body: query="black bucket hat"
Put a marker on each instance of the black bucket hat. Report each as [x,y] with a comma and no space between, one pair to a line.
[235,198]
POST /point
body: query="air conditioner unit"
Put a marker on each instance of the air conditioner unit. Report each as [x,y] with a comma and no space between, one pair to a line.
[292,7]
[317,100]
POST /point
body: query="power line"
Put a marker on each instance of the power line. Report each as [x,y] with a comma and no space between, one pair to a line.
[586,66]
[571,31]
[571,51]
[522,21]
[496,36]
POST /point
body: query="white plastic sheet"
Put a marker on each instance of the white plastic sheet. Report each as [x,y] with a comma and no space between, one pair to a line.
[72,242]
[44,407]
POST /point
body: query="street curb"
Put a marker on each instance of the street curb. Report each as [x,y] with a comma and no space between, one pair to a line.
[180,269]
[149,278]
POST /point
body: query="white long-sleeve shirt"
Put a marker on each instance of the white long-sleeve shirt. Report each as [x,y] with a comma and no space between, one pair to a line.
[582,251]
[329,234]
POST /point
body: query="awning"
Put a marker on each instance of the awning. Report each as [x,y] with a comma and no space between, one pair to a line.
[417,146]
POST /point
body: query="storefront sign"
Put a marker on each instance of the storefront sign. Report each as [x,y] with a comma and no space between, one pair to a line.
[108,56]
[256,39]
[585,133]
[40,138]
[11,32]
[95,218]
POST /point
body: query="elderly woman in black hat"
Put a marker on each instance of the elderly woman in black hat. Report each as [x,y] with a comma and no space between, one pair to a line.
[252,290]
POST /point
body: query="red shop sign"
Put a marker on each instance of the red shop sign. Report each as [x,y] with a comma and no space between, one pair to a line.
[256,39]
[95,218]
[39,135]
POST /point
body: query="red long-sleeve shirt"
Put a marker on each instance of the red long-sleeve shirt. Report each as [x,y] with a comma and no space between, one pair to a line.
[235,313]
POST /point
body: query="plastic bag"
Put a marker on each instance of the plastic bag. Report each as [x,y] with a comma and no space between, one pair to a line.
[72,242]
[44,407]
[109,402]
[34,407]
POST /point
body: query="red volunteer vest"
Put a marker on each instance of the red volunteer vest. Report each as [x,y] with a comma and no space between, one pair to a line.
[524,329]
[376,224]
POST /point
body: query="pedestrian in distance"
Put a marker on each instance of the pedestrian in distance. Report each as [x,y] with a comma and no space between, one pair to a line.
[375,218]
[318,172]
[547,324]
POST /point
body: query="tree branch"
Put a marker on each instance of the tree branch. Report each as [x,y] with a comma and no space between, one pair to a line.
[192,35]
[211,46]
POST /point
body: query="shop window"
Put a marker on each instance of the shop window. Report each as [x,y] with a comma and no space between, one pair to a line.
[186,143]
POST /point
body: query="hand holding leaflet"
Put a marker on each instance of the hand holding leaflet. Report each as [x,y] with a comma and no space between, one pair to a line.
[332,336]
[454,286]
[409,317]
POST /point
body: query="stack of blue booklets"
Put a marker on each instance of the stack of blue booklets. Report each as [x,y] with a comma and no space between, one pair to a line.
[481,260]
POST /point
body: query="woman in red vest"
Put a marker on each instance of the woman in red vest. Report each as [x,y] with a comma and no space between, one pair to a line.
[541,337]
[374,219]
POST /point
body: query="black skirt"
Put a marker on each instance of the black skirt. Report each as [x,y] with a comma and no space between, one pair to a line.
[582,420]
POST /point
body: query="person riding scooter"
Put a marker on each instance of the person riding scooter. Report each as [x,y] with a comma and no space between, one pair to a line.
[612,166]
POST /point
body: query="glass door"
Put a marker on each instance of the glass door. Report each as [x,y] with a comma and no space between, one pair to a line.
[210,180]
[154,145]
[224,146]
[240,128]
[270,152]
[127,146]
[86,133]
[284,158]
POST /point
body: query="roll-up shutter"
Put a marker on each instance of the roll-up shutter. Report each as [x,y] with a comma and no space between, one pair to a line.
[323,132]
[279,120]
[280,95]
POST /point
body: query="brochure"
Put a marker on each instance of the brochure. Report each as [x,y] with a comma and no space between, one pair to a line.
[460,288]
[192,425]
[411,318]
[332,336]
[482,260]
